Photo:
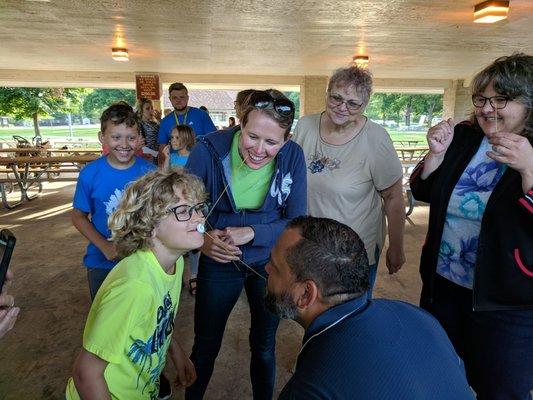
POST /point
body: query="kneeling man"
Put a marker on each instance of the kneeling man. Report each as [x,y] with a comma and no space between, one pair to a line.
[354,348]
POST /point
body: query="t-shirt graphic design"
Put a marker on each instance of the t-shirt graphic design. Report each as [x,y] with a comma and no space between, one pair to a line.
[114,201]
[143,352]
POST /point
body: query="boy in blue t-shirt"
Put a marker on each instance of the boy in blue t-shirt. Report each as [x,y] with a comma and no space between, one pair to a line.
[100,187]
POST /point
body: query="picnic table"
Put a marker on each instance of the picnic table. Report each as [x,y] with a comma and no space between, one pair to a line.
[26,171]
[410,156]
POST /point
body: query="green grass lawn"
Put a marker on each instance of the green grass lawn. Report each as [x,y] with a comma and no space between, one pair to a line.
[91,133]
[78,132]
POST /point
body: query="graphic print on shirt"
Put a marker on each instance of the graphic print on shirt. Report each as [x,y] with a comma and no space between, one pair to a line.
[318,162]
[284,191]
[114,200]
[142,352]
[458,248]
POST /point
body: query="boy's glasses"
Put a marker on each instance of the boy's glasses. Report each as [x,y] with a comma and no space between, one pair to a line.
[496,102]
[261,99]
[336,101]
[184,212]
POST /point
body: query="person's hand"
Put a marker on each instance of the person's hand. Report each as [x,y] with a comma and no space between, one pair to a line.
[440,136]
[238,235]
[140,142]
[156,114]
[395,258]
[166,152]
[219,248]
[8,313]
[110,250]
[513,150]
[184,367]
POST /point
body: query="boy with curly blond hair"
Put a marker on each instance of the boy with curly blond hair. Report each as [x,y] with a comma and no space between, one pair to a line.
[129,327]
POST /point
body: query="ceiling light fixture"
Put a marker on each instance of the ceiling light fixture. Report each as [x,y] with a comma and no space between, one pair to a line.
[360,60]
[120,54]
[491,11]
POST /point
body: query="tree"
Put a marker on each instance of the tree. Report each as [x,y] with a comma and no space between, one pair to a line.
[295,98]
[99,99]
[428,104]
[37,102]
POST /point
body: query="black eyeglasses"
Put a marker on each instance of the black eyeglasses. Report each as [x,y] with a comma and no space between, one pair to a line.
[261,99]
[336,101]
[496,102]
[184,212]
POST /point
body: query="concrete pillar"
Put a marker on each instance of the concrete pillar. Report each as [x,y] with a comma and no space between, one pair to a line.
[313,94]
[457,103]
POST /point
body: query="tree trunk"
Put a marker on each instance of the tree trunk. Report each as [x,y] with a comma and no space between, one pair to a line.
[408,110]
[431,107]
[35,117]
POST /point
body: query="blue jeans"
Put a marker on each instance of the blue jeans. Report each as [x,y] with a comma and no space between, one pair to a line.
[496,346]
[218,289]
[373,271]
[96,276]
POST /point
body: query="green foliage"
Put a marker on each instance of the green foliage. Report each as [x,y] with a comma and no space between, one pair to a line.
[295,98]
[98,100]
[392,106]
[25,102]
[33,103]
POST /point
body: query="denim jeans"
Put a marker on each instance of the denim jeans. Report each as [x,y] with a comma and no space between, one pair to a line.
[496,346]
[373,271]
[96,276]
[218,289]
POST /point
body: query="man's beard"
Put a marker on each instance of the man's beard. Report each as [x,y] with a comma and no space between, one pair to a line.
[283,306]
[180,109]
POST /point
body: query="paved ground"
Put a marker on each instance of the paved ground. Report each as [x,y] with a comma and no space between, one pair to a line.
[51,289]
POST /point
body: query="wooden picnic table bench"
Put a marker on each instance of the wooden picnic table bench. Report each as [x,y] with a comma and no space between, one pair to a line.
[28,172]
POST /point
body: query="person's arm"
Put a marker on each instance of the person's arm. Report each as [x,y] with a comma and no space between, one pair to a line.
[88,376]
[182,363]
[295,204]
[81,222]
[395,213]
[439,138]
[8,313]
[165,162]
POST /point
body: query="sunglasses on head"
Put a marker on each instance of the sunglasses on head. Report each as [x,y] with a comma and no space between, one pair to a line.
[261,99]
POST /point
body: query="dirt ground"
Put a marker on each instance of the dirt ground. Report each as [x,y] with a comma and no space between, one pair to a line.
[51,289]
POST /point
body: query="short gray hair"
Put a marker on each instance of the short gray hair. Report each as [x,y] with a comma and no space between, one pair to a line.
[359,78]
[511,76]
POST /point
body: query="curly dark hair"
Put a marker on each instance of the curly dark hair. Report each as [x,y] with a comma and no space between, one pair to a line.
[118,113]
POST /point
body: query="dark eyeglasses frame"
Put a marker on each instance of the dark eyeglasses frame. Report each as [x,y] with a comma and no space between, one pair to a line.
[200,208]
[337,101]
[474,96]
[261,99]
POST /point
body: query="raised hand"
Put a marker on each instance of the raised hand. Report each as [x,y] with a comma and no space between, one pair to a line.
[440,136]
[515,151]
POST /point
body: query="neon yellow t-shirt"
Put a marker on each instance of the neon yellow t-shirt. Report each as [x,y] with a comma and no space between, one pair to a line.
[249,186]
[130,324]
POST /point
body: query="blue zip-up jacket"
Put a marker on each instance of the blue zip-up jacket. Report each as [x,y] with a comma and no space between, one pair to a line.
[286,199]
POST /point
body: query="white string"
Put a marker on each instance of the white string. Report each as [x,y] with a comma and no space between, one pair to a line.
[223,248]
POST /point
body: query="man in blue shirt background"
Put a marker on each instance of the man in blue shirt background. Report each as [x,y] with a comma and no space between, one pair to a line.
[354,348]
[197,119]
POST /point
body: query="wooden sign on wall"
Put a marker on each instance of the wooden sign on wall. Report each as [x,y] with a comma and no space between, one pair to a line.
[147,86]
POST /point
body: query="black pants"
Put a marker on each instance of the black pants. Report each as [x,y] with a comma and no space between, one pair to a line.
[496,346]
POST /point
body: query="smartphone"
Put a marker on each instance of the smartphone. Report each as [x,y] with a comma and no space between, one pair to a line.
[7,244]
